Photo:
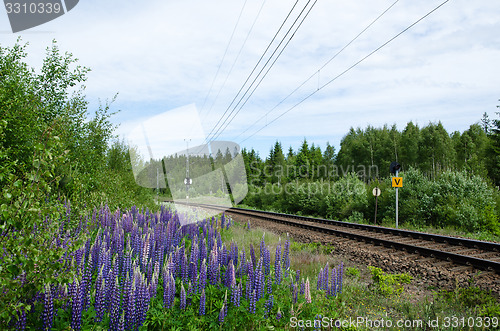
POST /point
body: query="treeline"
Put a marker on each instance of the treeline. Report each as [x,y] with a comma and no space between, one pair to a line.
[449,179]
[56,166]
[369,152]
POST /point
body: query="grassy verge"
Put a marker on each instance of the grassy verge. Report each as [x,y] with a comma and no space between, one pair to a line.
[372,299]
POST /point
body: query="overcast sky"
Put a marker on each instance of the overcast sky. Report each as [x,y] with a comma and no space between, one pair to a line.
[162,55]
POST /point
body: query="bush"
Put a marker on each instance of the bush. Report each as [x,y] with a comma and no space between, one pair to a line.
[389,284]
[345,196]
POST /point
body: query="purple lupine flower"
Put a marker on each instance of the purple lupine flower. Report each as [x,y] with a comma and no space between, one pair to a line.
[269,288]
[307,291]
[252,254]
[333,284]
[253,301]
[238,295]
[129,303]
[267,261]
[225,305]
[213,267]
[248,291]
[76,307]
[171,291]
[115,306]
[234,295]
[100,296]
[278,315]
[184,268]
[202,303]
[258,283]
[230,275]
[222,315]
[233,253]
[203,250]
[317,322]
[121,323]
[250,272]
[183,297]
[48,312]
[21,321]
[295,293]
[223,256]
[242,270]
[189,293]
[297,275]
[277,265]
[268,305]
[193,271]
[302,286]
[202,278]
[86,283]
[248,225]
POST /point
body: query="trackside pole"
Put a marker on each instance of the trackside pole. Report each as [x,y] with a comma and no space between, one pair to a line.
[397,202]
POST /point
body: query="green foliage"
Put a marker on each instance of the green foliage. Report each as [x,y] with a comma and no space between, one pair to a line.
[52,156]
[352,272]
[346,195]
[29,250]
[482,301]
[389,284]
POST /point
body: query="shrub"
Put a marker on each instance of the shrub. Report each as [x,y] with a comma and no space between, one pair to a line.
[389,284]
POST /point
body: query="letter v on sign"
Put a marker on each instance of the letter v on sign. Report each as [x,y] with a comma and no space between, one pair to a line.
[397,181]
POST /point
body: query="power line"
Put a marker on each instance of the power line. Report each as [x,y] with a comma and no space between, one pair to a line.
[236,59]
[220,129]
[322,67]
[224,56]
[348,69]
[255,67]
[269,68]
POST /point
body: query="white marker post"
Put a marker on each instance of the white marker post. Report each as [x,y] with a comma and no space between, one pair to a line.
[396,183]
[376,193]
[397,196]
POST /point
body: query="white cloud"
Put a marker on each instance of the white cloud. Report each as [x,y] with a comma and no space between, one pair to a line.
[163,54]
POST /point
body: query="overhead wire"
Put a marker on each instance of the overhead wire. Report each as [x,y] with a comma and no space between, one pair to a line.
[225,53]
[253,70]
[322,67]
[265,74]
[236,58]
[348,69]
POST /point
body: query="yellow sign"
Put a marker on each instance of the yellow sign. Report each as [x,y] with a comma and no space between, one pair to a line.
[397,181]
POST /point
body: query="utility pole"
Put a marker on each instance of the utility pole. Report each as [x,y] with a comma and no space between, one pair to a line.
[187,181]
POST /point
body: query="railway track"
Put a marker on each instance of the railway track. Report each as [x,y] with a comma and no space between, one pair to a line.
[465,252]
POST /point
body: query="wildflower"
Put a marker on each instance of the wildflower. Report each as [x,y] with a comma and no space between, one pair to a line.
[222,315]
[253,301]
[202,303]
[48,312]
[307,290]
[76,307]
[277,265]
[278,315]
[183,297]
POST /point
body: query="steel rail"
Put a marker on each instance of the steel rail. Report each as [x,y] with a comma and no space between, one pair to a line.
[475,262]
